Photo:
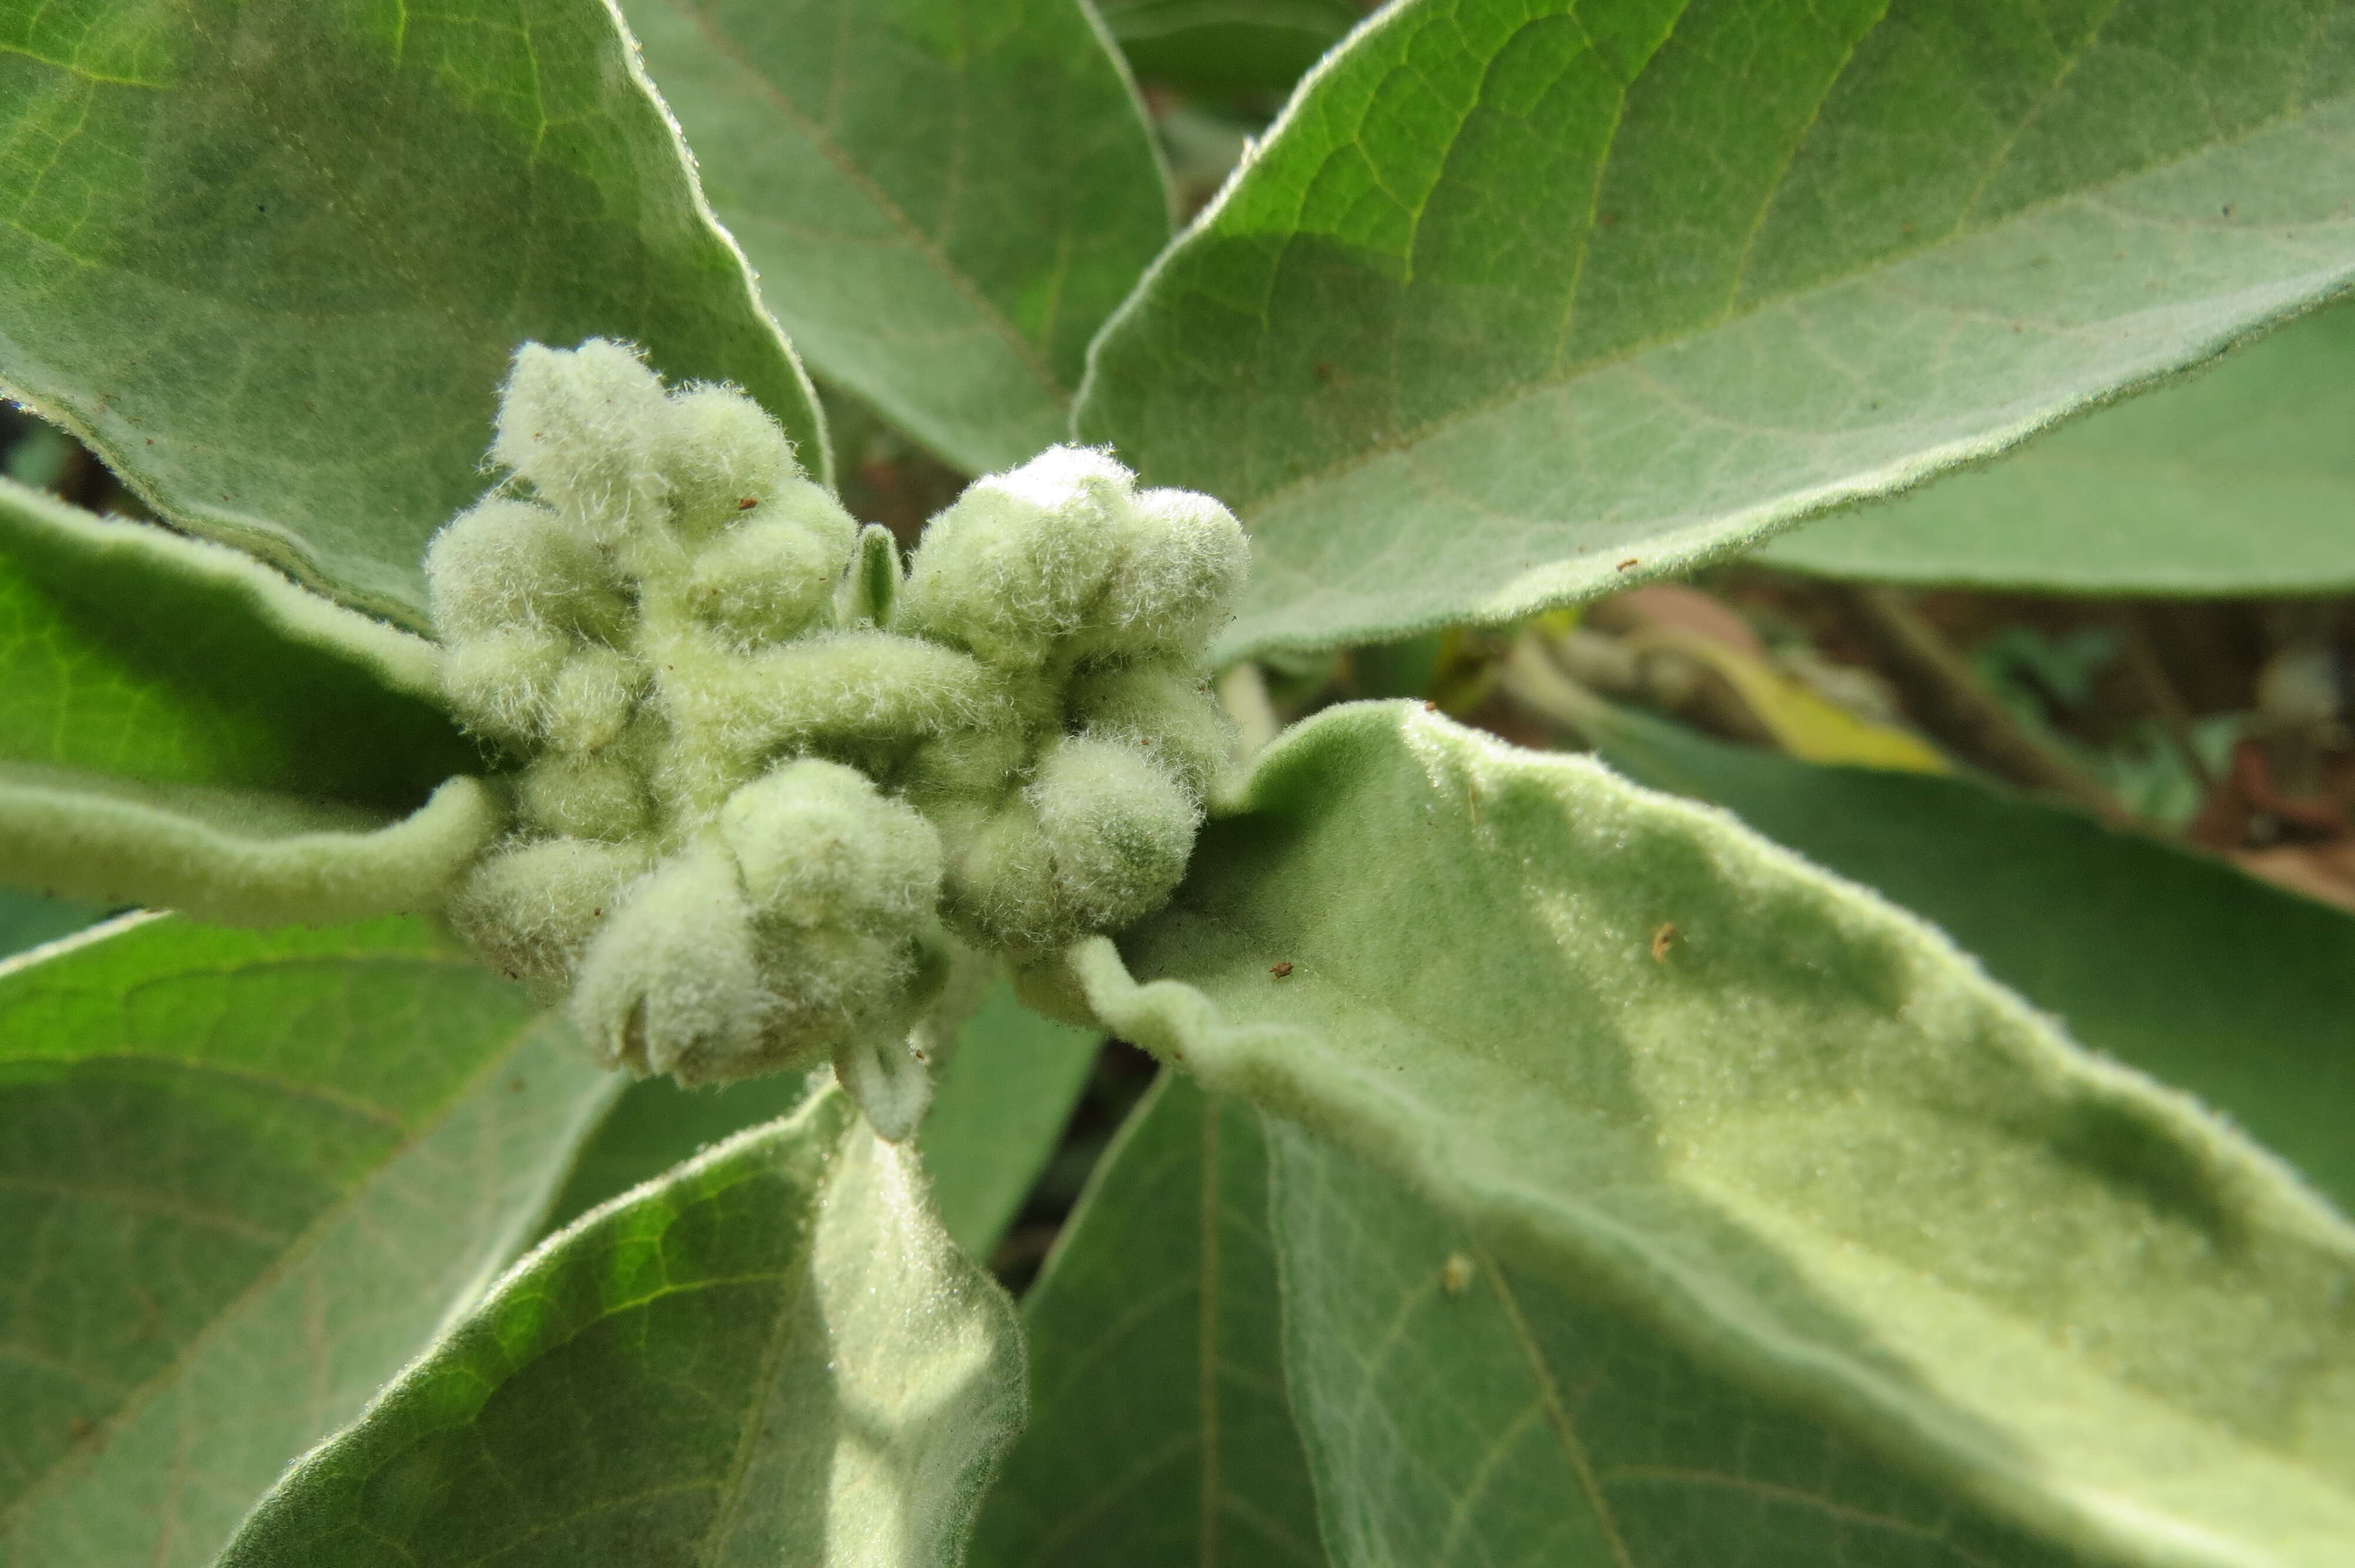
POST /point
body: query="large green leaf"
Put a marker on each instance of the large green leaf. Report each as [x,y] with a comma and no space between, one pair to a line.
[946,201]
[775,1356]
[1458,1410]
[1160,1435]
[2242,482]
[270,257]
[245,1178]
[2211,981]
[1522,300]
[1649,1055]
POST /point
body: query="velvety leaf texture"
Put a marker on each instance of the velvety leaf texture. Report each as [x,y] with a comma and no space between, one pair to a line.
[1160,1437]
[1457,1411]
[1522,300]
[2240,481]
[945,200]
[245,1177]
[2209,979]
[774,1356]
[1648,1055]
[270,257]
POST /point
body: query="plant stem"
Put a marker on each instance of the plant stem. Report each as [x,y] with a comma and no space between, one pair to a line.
[1955,706]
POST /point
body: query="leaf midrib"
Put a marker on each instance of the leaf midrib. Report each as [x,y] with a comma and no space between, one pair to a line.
[1405,442]
[1032,361]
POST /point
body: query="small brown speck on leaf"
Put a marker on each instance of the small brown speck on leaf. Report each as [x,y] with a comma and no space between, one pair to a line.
[1455,1277]
[1662,940]
[1429,706]
[748,503]
[1280,969]
[1628,563]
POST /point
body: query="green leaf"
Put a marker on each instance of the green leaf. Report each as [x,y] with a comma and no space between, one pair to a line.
[131,653]
[1213,47]
[270,257]
[1458,1410]
[775,1356]
[1160,1437]
[182,726]
[247,1176]
[2209,979]
[945,200]
[1809,1142]
[1521,302]
[997,1114]
[2239,482]
[655,1124]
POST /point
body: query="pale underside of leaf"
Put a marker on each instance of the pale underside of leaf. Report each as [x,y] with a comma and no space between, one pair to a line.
[270,258]
[772,1355]
[233,859]
[943,205]
[1521,303]
[1809,1142]
[1462,1412]
[189,1325]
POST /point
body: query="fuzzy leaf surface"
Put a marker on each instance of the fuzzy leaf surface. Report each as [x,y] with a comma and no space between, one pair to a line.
[247,1175]
[2238,482]
[2202,977]
[1458,1410]
[775,1355]
[1160,1437]
[270,257]
[1809,1142]
[1522,300]
[945,200]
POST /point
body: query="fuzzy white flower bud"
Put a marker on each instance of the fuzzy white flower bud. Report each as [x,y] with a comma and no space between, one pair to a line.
[1119,826]
[587,428]
[1163,707]
[510,563]
[671,982]
[765,581]
[530,908]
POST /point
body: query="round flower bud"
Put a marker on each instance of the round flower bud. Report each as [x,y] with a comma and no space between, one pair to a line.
[511,563]
[1119,826]
[671,982]
[586,427]
[819,845]
[589,702]
[1000,887]
[530,908]
[764,581]
[964,762]
[597,797]
[1183,559]
[1015,564]
[1161,706]
[499,685]
[721,451]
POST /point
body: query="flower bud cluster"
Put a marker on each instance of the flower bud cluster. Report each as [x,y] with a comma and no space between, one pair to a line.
[760,781]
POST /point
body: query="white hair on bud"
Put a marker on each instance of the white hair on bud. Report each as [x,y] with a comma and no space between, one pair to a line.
[766,581]
[1161,707]
[586,797]
[530,908]
[671,982]
[1013,566]
[818,844]
[512,562]
[500,685]
[722,449]
[586,427]
[1119,826]
[1183,560]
